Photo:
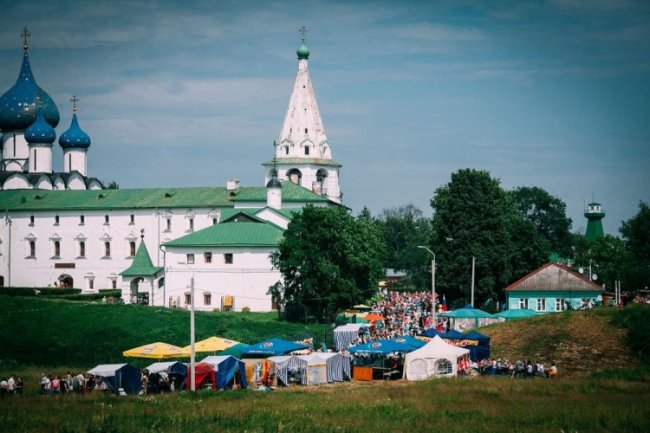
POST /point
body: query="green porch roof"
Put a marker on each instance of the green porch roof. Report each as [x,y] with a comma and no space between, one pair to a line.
[232,234]
[142,266]
[146,198]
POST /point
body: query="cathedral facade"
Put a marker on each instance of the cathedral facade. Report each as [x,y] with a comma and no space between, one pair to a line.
[159,245]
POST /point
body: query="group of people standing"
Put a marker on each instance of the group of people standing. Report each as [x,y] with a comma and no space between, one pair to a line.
[11,385]
[70,382]
[518,369]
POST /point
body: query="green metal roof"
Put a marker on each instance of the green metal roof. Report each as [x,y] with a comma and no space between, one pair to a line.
[142,266]
[290,193]
[292,161]
[146,198]
[232,234]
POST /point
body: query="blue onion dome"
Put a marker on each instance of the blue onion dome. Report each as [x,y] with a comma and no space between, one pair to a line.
[40,131]
[18,104]
[303,51]
[74,137]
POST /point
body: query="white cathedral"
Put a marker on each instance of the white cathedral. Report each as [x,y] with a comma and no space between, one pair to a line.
[156,244]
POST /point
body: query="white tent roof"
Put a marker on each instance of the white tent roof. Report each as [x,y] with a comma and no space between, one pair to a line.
[351,327]
[157,367]
[106,370]
[314,359]
[437,348]
[215,360]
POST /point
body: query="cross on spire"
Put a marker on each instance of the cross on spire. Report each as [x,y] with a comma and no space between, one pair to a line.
[25,35]
[74,101]
[303,32]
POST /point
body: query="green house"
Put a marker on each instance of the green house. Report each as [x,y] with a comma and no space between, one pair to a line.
[553,287]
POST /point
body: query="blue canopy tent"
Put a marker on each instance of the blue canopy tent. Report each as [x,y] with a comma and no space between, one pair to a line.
[227,368]
[119,376]
[409,341]
[431,332]
[272,347]
[177,371]
[381,347]
[477,343]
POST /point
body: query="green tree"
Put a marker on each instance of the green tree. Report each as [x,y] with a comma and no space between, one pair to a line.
[472,217]
[610,261]
[329,261]
[547,213]
[403,229]
[636,234]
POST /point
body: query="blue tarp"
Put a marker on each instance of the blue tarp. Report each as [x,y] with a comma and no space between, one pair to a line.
[118,376]
[381,347]
[477,343]
[226,368]
[272,347]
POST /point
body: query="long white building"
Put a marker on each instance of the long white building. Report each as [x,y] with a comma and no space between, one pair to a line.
[66,229]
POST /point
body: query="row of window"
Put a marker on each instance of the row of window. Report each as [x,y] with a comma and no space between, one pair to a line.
[227,302]
[168,221]
[207,258]
[81,249]
[540,304]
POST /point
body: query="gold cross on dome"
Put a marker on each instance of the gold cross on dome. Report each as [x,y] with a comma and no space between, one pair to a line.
[303,32]
[25,35]
[74,101]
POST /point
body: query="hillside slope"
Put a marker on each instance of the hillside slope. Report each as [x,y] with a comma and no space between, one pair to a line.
[57,332]
[578,341]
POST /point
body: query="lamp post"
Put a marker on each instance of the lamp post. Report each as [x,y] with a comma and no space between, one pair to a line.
[433,284]
[192,333]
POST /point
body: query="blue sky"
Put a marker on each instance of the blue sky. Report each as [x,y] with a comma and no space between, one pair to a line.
[554,94]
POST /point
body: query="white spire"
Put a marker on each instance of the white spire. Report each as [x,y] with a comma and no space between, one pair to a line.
[303,125]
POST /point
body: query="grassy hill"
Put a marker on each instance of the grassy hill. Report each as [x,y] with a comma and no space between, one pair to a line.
[579,341]
[53,332]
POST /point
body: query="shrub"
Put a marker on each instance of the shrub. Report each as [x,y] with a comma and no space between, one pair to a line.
[36,291]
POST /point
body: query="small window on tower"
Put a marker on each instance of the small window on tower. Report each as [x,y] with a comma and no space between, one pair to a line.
[131,248]
[82,220]
[306,151]
[31,220]
[306,130]
[132,219]
[56,220]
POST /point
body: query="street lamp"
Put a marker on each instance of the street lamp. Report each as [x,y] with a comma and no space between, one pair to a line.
[473,269]
[192,333]
[433,284]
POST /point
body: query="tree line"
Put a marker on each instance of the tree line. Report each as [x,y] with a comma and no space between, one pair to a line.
[331,260]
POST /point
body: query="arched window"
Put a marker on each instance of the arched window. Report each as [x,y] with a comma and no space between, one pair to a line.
[295,176]
[321,175]
[32,248]
[82,249]
[443,366]
[107,249]
[132,248]
[57,249]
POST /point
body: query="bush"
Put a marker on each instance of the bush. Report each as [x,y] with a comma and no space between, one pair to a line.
[36,291]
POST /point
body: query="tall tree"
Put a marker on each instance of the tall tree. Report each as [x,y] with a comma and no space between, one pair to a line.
[472,214]
[636,234]
[547,213]
[329,260]
[403,229]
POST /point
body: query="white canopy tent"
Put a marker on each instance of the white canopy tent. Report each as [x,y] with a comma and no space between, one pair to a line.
[435,359]
[316,368]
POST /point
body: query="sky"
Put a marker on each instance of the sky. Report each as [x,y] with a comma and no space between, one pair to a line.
[554,94]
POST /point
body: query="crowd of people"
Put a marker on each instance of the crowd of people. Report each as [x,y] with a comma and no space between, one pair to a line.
[69,383]
[11,385]
[405,313]
[526,369]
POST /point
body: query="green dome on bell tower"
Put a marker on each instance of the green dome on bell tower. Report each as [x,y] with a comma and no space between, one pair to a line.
[303,49]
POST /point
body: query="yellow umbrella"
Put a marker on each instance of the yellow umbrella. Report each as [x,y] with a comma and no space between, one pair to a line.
[156,350]
[211,344]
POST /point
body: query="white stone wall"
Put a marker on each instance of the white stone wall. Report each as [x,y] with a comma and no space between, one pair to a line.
[75,159]
[40,158]
[14,146]
[247,278]
[44,268]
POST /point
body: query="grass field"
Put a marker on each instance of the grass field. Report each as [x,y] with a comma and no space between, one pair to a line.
[496,404]
[54,336]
